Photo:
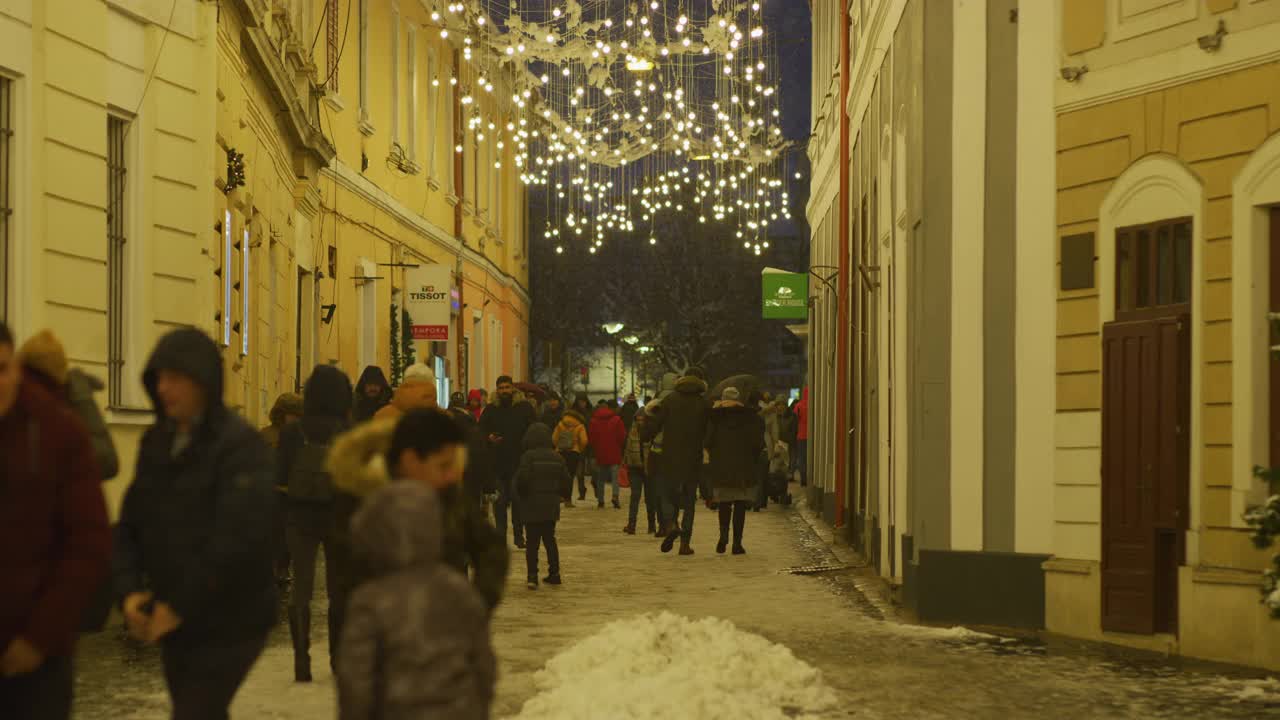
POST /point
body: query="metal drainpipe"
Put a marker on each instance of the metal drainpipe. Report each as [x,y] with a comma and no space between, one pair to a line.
[457,221]
[843,294]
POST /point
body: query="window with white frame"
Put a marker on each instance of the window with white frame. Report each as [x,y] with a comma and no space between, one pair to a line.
[433,111]
[394,74]
[6,195]
[117,227]
[412,125]
[225,269]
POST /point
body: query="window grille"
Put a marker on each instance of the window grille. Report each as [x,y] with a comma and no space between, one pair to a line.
[117,192]
[331,44]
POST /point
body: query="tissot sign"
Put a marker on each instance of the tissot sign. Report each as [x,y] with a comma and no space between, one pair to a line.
[428,300]
[785,295]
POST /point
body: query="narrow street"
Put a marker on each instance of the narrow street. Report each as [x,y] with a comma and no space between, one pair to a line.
[877,668]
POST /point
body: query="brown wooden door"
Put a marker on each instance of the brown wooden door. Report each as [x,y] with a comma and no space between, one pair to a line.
[1146,381]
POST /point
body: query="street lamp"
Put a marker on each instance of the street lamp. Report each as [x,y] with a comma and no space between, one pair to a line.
[613,329]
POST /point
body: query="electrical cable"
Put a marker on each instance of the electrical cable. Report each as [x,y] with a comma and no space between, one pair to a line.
[154,65]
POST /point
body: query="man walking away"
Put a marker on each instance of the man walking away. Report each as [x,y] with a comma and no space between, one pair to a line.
[540,484]
[193,557]
[372,393]
[636,457]
[504,423]
[55,545]
[608,436]
[300,461]
[286,411]
[682,419]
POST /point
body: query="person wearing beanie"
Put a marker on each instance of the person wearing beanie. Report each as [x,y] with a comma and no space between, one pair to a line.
[286,411]
[735,444]
[417,390]
[552,410]
[45,361]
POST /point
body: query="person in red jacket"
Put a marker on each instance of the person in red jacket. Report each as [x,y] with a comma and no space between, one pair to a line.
[55,544]
[801,455]
[608,434]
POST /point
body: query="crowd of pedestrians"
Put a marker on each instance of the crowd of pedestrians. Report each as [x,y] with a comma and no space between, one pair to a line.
[407,503]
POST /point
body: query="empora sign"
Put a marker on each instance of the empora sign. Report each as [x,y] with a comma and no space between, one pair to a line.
[428,301]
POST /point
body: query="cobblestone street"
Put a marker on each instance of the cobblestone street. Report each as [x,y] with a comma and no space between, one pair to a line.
[878,668]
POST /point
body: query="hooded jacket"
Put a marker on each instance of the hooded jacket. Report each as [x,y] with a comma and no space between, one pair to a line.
[196,525]
[509,423]
[549,416]
[326,407]
[542,480]
[364,407]
[636,454]
[681,418]
[55,545]
[359,469]
[628,413]
[415,643]
[608,435]
[46,360]
[574,423]
[475,403]
[286,404]
[735,442]
[478,479]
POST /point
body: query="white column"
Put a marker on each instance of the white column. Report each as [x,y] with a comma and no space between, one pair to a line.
[1035,350]
[968,194]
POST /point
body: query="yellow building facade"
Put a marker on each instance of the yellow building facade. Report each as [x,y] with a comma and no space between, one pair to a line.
[1168,175]
[261,170]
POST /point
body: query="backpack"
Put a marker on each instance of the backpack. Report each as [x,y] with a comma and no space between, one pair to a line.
[564,441]
[308,480]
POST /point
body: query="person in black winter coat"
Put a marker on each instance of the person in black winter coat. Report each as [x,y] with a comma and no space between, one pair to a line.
[504,424]
[371,394]
[478,479]
[735,444]
[193,553]
[682,419]
[541,483]
[304,446]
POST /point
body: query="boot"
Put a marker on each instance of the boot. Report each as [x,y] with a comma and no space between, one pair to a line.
[684,548]
[552,579]
[669,541]
[739,523]
[652,530]
[724,543]
[630,529]
[300,632]
[738,549]
[533,583]
[617,505]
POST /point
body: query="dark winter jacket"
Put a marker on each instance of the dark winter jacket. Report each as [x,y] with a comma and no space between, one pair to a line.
[682,419]
[415,644]
[735,442]
[636,454]
[478,480]
[55,545]
[542,480]
[608,436]
[196,527]
[358,466]
[326,407]
[286,404]
[509,423]
[365,407]
[628,413]
[551,417]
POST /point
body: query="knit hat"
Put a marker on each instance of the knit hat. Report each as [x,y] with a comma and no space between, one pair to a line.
[730,394]
[418,373]
[44,353]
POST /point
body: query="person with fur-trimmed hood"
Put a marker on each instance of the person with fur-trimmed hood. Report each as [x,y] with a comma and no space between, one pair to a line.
[504,424]
[735,442]
[680,419]
[359,468]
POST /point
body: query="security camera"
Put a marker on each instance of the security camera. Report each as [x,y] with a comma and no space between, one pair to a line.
[1072,74]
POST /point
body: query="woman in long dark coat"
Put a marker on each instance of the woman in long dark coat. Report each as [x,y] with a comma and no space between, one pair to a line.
[735,442]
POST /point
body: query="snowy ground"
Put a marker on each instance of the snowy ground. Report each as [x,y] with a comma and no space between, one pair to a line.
[875,668]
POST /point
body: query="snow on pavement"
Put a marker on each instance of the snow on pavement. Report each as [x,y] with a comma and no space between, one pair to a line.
[664,665]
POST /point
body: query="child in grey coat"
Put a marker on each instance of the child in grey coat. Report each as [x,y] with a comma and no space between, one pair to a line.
[416,639]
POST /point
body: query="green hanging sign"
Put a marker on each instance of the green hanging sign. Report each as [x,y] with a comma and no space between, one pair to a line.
[785,295]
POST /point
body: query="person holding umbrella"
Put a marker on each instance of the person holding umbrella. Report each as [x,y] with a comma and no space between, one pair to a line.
[735,444]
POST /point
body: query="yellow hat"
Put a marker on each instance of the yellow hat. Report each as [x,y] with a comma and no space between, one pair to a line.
[44,353]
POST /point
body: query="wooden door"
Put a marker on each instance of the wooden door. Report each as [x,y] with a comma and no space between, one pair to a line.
[1274,306]
[1145,409]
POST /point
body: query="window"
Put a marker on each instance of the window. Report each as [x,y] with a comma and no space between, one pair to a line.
[225,271]
[394,75]
[364,59]
[246,320]
[6,208]
[433,111]
[413,95]
[117,205]
[331,44]
[1153,269]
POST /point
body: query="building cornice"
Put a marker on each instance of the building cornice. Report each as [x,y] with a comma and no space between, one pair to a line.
[353,181]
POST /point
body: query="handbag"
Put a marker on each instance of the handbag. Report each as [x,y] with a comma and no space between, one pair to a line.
[624,476]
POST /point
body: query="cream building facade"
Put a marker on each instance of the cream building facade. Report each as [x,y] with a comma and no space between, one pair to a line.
[122,125]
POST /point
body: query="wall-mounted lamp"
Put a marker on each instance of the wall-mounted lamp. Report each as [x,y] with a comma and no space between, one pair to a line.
[327,317]
[1072,74]
[1213,42]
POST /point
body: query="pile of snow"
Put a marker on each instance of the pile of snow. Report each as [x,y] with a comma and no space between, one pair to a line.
[665,665]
